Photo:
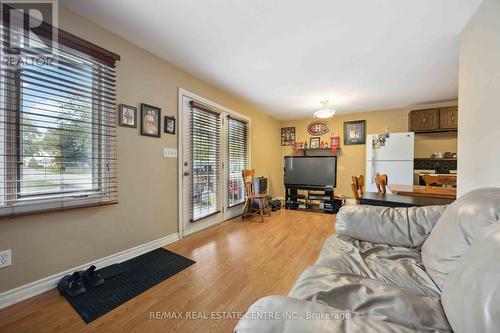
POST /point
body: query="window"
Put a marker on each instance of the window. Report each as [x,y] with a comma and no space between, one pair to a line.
[57,128]
[237,152]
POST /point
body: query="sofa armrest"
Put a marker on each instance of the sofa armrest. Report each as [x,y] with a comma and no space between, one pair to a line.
[408,227]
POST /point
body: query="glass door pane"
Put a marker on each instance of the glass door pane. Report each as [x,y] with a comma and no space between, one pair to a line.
[237,151]
[206,164]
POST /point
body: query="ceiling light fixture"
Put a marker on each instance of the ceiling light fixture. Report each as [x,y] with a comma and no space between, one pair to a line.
[326,111]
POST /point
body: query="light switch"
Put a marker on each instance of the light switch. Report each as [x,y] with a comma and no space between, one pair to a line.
[169,152]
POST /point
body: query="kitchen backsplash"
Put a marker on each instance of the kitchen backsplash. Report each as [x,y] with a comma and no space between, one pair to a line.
[427,144]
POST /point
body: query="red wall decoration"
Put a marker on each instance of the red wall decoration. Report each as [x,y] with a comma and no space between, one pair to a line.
[318,128]
[334,143]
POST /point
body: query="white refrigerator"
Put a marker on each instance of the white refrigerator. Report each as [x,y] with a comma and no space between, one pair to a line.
[391,155]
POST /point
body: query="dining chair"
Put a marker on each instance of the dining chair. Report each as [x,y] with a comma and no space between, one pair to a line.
[250,195]
[358,184]
[381,180]
[441,180]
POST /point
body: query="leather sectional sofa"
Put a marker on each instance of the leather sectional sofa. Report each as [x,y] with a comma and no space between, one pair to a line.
[397,270]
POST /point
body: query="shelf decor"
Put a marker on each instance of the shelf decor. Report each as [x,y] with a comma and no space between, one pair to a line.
[314,142]
[298,147]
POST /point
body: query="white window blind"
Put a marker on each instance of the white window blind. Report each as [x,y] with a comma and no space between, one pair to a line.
[57,128]
[237,159]
[205,162]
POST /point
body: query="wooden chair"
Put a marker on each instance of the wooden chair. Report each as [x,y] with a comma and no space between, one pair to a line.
[358,184]
[250,196]
[441,180]
[381,180]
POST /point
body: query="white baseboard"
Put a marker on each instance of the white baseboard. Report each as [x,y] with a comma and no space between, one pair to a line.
[18,294]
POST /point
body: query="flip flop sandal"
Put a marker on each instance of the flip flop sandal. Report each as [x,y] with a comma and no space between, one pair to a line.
[71,285]
[92,277]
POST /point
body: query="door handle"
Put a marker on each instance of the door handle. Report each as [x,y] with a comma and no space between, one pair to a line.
[186,173]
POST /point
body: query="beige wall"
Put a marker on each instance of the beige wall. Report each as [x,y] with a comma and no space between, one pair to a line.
[479,100]
[351,158]
[426,144]
[45,244]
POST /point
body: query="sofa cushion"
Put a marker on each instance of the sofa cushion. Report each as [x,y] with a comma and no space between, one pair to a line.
[273,314]
[354,293]
[460,224]
[407,227]
[471,293]
[396,266]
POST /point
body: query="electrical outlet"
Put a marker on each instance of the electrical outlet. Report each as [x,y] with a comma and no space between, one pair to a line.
[5,258]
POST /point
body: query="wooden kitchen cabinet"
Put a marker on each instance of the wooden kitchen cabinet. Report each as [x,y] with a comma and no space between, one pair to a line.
[433,120]
[424,120]
[448,118]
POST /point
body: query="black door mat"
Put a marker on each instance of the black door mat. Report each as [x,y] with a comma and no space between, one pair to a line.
[126,280]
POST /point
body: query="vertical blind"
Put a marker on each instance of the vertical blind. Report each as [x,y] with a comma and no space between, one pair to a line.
[237,159]
[57,129]
[205,162]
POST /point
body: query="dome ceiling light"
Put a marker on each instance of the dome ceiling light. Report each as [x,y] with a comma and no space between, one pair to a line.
[326,111]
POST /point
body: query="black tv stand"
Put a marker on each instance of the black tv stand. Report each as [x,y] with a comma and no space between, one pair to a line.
[311,198]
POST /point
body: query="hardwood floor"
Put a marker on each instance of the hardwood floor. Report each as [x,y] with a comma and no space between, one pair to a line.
[236,264]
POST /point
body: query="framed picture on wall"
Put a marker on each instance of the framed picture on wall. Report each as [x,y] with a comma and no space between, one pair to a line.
[355,132]
[127,116]
[169,125]
[288,136]
[150,120]
[314,142]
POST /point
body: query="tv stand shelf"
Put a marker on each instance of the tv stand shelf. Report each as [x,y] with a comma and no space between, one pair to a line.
[311,198]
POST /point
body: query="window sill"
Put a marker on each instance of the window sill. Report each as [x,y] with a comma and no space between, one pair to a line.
[53,206]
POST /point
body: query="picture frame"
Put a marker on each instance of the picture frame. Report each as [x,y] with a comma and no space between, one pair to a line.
[169,123]
[314,142]
[150,120]
[127,116]
[288,136]
[355,132]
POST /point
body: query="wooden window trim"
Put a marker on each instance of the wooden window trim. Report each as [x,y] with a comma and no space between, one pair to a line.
[203,107]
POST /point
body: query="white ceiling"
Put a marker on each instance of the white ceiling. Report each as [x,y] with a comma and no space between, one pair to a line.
[287,55]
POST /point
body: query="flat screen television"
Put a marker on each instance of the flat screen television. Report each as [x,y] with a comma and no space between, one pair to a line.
[320,171]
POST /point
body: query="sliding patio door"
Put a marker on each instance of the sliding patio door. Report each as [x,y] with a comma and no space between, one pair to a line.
[214,151]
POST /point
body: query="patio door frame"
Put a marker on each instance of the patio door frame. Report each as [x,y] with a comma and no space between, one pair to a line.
[227,213]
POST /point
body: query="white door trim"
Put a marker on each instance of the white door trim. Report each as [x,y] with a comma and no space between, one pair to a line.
[180,139]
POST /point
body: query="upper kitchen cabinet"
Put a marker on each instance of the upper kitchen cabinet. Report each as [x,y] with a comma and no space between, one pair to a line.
[424,120]
[448,118]
[433,120]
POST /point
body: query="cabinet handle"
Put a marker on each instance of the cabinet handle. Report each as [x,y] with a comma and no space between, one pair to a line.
[424,120]
[452,117]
